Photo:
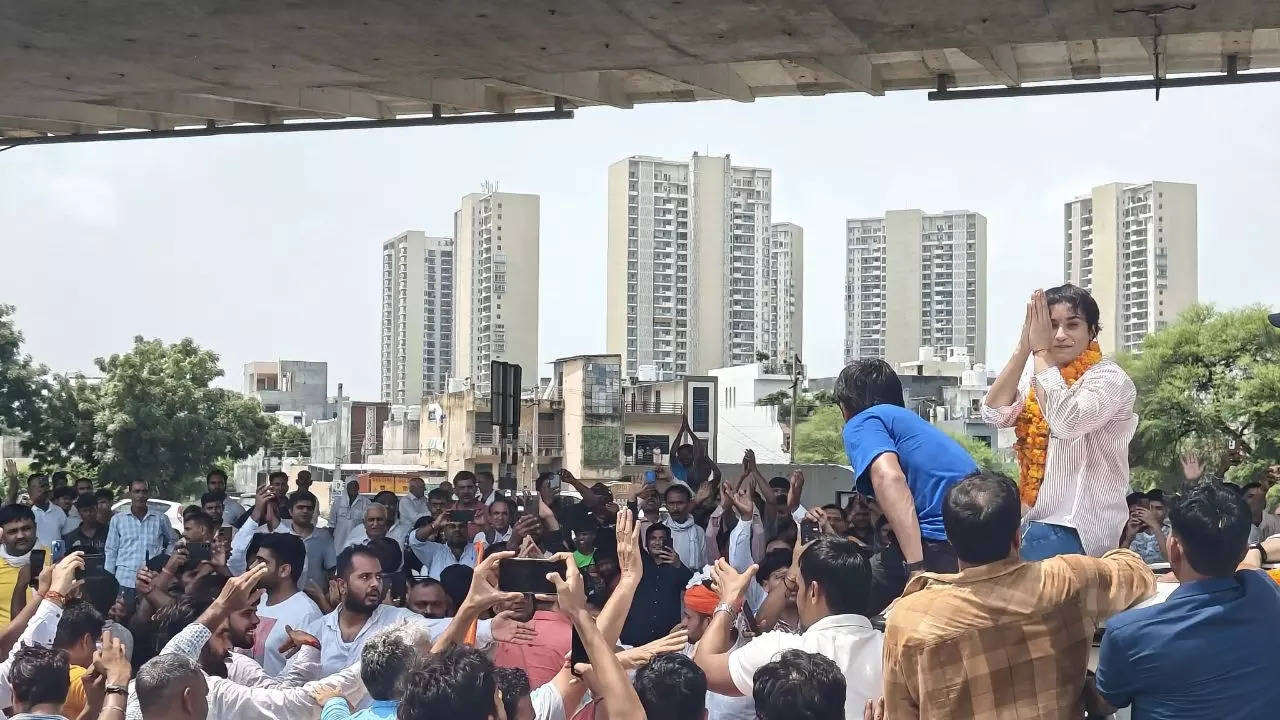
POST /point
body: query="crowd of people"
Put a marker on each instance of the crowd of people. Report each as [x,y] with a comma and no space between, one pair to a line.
[939,590]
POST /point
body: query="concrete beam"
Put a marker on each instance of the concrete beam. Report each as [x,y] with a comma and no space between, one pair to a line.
[1239,44]
[591,88]
[324,101]
[465,94]
[17,126]
[1083,56]
[937,63]
[856,71]
[720,80]
[82,113]
[997,60]
[196,106]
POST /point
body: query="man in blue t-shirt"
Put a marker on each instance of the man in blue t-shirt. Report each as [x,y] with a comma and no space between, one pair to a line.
[901,460]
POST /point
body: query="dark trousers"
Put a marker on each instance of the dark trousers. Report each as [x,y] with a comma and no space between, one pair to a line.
[889,570]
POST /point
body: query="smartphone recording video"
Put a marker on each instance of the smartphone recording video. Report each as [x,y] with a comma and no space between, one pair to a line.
[528,575]
[579,652]
[37,564]
[198,552]
[462,516]
[809,531]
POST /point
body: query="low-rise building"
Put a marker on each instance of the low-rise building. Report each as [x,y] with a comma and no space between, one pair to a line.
[290,386]
[743,423]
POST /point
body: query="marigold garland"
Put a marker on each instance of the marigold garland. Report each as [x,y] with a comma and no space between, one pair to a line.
[1032,447]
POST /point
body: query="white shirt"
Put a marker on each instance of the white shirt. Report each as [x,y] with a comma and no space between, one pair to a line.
[412,508]
[436,556]
[396,532]
[498,537]
[336,653]
[724,707]
[1086,473]
[231,511]
[49,524]
[40,631]
[346,515]
[848,640]
[297,612]
[689,540]
[489,500]
[547,703]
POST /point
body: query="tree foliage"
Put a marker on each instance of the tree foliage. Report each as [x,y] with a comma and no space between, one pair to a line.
[22,381]
[987,458]
[1209,384]
[819,437]
[808,403]
[152,416]
[286,440]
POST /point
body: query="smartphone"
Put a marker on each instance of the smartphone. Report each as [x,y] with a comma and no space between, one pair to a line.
[95,565]
[650,477]
[397,582]
[579,652]
[809,531]
[668,543]
[197,551]
[462,516]
[528,575]
[507,483]
[37,564]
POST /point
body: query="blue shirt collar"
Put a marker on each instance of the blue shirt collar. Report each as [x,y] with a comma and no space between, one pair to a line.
[1204,587]
[384,708]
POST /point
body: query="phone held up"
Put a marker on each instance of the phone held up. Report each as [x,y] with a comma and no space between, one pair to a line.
[37,564]
[809,531]
[529,575]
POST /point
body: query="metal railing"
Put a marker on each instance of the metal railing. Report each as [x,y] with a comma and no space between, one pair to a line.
[654,407]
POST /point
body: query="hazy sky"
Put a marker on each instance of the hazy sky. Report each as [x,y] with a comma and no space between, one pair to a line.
[266,247]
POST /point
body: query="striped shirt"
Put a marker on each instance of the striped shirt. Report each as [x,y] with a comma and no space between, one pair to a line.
[1086,474]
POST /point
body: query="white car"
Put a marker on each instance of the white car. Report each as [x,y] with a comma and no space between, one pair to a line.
[170,509]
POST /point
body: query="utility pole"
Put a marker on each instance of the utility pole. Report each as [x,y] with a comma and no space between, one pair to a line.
[795,393]
[337,446]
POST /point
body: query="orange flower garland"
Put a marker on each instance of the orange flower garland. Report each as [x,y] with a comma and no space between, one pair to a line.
[1032,447]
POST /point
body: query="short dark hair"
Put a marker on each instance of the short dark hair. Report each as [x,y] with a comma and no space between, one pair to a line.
[485,474]
[345,558]
[1134,498]
[1156,495]
[456,581]
[39,675]
[981,513]
[216,471]
[1255,485]
[1080,302]
[384,661]
[833,506]
[799,686]
[772,561]
[841,571]
[102,592]
[172,618]
[777,482]
[212,497]
[463,475]
[303,496]
[543,479]
[278,475]
[85,501]
[16,511]
[457,684]
[160,677]
[672,686]
[201,517]
[135,481]
[104,494]
[511,505]
[655,528]
[59,476]
[287,549]
[514,684]
[677,488]
[79,618]
[438,494]
[64,491]
[866,383]
[1212,525]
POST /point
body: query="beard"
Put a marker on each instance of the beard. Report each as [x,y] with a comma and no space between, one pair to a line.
[358,604]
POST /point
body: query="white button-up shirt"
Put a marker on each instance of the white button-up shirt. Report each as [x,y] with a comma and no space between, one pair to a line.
[336,653]
[1086,472]
[412,508]
[848,640]
[39,631]
[436,556]
[49,524]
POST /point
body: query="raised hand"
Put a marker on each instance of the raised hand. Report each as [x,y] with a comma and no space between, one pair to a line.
[1040,329]
[295,639]
[506,628]
[627,535]
[239,592]
[795,490]
[1192,469]
[730,584]
[484,592]
[569,592]
[63,579]
[110,660]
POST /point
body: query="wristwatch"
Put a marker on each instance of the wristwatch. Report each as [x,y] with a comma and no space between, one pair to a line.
[117,690]
[919,565]
[1261,552]
[725,607]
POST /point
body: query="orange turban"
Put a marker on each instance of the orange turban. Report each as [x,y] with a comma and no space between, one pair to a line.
[700,600]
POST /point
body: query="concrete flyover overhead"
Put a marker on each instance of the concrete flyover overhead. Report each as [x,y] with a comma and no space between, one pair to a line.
[74,69]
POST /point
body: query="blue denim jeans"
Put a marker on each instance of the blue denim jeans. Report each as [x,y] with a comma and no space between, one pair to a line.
[1041,541]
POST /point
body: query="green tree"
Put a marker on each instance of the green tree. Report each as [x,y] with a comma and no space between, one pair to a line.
[819,438]
[987,458]
[1209,383]
[781,399]
[285,440]
[153,416]
[22,381]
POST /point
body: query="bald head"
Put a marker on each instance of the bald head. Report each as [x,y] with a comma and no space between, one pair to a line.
[172,687]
